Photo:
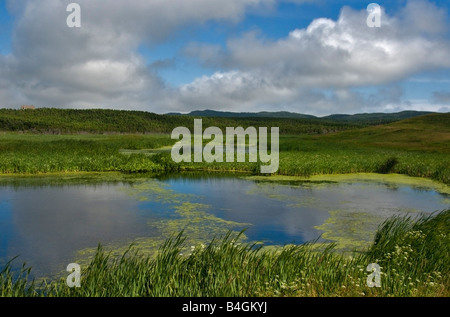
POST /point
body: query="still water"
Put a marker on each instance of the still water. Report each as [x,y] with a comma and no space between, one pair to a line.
[45,223]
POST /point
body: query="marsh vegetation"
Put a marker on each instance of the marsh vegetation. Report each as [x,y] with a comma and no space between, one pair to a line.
[412,251]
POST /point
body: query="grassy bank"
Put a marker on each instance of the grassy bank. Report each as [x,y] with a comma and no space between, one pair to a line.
[412,253]
[43,153]
[37,154]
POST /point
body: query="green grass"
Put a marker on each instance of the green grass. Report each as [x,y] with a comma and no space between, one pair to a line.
[413,255]
[415,147]
[32,154]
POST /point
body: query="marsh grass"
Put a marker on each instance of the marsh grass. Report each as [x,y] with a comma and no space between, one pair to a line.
[16,284]
[412,252]
[35,154]
[415,254]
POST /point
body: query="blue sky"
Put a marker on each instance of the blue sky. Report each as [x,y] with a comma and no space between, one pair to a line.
[6,26]
[315,57]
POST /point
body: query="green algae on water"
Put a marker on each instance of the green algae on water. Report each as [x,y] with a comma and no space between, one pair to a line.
[183,214]
[391,179]
[351,230]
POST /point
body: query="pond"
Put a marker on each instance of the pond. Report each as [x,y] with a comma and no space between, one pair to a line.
[51,222]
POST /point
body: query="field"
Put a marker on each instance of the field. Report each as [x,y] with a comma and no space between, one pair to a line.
[414,147]
[413,253]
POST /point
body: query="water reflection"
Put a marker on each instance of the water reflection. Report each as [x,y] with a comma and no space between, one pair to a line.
[287,212]
[46,224]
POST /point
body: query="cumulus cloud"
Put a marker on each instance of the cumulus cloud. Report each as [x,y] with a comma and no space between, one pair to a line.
[338,55]
[97,64]
[319,69]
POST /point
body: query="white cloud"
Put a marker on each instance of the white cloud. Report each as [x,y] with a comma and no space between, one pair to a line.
[338,55]
[99,65]
[418,105]
[233,90]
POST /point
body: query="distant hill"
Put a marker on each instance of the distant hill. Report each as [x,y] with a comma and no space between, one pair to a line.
[373,117]
[430,132]
[57,121]
[361,118]
[51,120]
[262,114]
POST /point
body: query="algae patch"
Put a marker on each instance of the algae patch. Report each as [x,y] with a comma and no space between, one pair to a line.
[354,213]
[179,212]
[388,179]
[274,191]
[350,229]
[154,191]
[197,224]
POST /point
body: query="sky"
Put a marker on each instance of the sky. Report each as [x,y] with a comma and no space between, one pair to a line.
[312,57]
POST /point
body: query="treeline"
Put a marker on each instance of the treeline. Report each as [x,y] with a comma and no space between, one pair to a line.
[59,121]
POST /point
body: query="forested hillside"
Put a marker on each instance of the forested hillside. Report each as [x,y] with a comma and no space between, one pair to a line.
[56,121]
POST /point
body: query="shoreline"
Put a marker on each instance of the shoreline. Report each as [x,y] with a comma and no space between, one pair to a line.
[392,178]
